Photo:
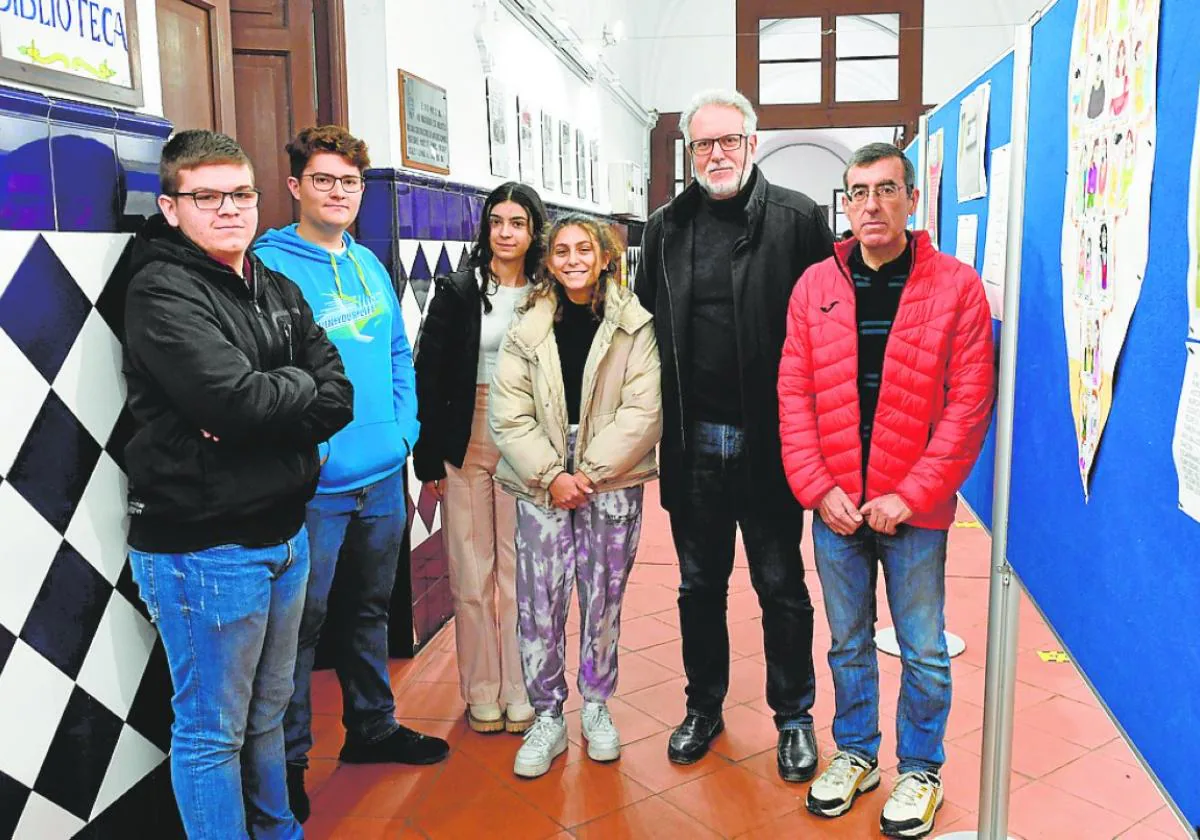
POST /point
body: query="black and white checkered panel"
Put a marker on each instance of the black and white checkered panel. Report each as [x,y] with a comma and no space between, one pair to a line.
[84,689]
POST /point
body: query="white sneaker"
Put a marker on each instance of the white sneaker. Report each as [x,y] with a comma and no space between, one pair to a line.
[910,810]
[835,790]
[603,741]
[544,742]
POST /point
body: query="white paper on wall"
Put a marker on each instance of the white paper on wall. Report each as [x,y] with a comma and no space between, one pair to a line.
[972,143]
[1186,447]
[995,245]
[967,239]
[933,177]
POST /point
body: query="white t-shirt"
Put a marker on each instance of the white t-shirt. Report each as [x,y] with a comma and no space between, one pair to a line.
[494,325]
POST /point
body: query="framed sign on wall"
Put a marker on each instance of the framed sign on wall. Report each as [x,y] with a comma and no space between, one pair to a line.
[424,125]
[88,48]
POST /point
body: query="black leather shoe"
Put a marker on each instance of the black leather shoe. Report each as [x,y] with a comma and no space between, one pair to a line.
[796,755]
[404,746]
[690,740]
[297,798]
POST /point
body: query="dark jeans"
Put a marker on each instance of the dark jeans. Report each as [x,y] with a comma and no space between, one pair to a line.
[719,494]
[358,534]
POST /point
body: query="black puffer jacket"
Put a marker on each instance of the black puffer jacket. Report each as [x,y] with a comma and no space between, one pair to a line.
[243,360]
[447,358]
[786,233]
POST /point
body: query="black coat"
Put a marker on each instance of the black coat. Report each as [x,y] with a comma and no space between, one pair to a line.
[446,359]
[206,352]
[786,233]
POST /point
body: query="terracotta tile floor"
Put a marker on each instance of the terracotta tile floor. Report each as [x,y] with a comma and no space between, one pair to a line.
[1073,776]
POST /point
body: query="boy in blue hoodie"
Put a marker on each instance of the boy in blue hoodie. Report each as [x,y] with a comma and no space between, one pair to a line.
[356,520]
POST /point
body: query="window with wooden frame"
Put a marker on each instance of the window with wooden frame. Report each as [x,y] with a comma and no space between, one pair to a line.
[831,63]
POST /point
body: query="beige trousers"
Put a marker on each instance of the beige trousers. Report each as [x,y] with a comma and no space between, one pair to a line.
[478,525]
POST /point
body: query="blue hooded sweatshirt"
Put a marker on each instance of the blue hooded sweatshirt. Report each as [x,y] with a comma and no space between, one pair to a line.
[352,298]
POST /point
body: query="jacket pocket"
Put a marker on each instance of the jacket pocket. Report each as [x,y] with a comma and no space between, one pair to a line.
[166,471]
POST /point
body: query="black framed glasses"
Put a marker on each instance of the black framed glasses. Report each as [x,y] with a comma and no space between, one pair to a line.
[887,191]
[245,199]
[324,182]
[727,142]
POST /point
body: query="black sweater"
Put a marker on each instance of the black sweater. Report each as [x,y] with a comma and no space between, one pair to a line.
[243,360]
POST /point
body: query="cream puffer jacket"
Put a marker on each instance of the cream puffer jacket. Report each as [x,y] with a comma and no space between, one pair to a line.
[620,421]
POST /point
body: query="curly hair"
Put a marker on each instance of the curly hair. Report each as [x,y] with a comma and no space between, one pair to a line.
[607,243]
[326,138]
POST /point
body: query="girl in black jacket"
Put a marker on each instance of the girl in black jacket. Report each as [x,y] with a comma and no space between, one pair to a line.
[456,458]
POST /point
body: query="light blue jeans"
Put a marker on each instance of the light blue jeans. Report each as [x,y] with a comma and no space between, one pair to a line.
[229,618]
[914,571]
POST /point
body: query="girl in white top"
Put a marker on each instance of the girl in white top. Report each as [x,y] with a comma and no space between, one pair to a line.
[456,458]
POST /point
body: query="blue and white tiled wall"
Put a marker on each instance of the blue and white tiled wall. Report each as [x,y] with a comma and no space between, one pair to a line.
[84,689]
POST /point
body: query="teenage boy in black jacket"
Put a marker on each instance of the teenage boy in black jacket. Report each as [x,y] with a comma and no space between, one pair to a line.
[231,385]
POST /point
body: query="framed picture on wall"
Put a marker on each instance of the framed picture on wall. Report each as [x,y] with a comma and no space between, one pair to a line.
[424,125]
[97,56]
[549,153]
[498,133]
[566,158]
[594,160]
[581,169]
[526,165]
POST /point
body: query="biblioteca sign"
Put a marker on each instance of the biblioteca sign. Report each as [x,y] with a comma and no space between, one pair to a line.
[87,47]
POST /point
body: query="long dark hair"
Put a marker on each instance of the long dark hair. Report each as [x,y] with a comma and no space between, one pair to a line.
[480,257]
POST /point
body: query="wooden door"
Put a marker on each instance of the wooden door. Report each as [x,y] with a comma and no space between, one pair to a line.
[274,68]
[196,63]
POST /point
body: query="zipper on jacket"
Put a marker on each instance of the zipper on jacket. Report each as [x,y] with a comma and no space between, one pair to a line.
[662,258]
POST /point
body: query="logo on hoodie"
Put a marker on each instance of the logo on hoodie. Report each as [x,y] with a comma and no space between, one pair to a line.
[348,317]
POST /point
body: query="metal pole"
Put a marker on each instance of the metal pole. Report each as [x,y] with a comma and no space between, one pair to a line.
[1004,596]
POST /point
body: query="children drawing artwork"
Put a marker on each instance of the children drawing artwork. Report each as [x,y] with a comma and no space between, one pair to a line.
[1111,144]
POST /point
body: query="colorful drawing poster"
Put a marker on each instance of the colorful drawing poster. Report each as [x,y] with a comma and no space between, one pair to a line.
[1112,107]
[933,176]
[972,143]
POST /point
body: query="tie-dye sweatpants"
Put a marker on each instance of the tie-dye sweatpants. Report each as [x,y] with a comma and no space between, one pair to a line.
[591,547]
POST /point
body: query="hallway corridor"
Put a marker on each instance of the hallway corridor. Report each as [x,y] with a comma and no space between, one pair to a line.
[1073,779]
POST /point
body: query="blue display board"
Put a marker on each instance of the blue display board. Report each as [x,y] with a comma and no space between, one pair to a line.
[977,491]
[1118,577]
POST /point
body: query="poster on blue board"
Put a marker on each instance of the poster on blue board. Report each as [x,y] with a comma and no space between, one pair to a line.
[1112,125]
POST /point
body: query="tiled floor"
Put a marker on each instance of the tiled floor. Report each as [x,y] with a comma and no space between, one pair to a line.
[1073,776]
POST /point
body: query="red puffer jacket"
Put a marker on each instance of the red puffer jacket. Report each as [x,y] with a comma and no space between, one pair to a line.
[934,402]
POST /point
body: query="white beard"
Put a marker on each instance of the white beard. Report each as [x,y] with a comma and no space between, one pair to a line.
[724,191]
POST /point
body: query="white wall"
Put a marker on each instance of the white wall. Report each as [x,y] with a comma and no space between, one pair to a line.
[382,40]
[147,28]
[692,45]
[963,39]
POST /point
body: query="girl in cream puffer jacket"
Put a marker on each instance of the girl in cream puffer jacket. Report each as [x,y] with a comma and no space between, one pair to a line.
[576,412]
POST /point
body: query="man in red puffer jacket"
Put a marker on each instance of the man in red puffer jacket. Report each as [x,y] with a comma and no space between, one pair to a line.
[885,393]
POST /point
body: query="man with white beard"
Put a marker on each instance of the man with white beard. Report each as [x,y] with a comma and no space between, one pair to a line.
[718,266]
